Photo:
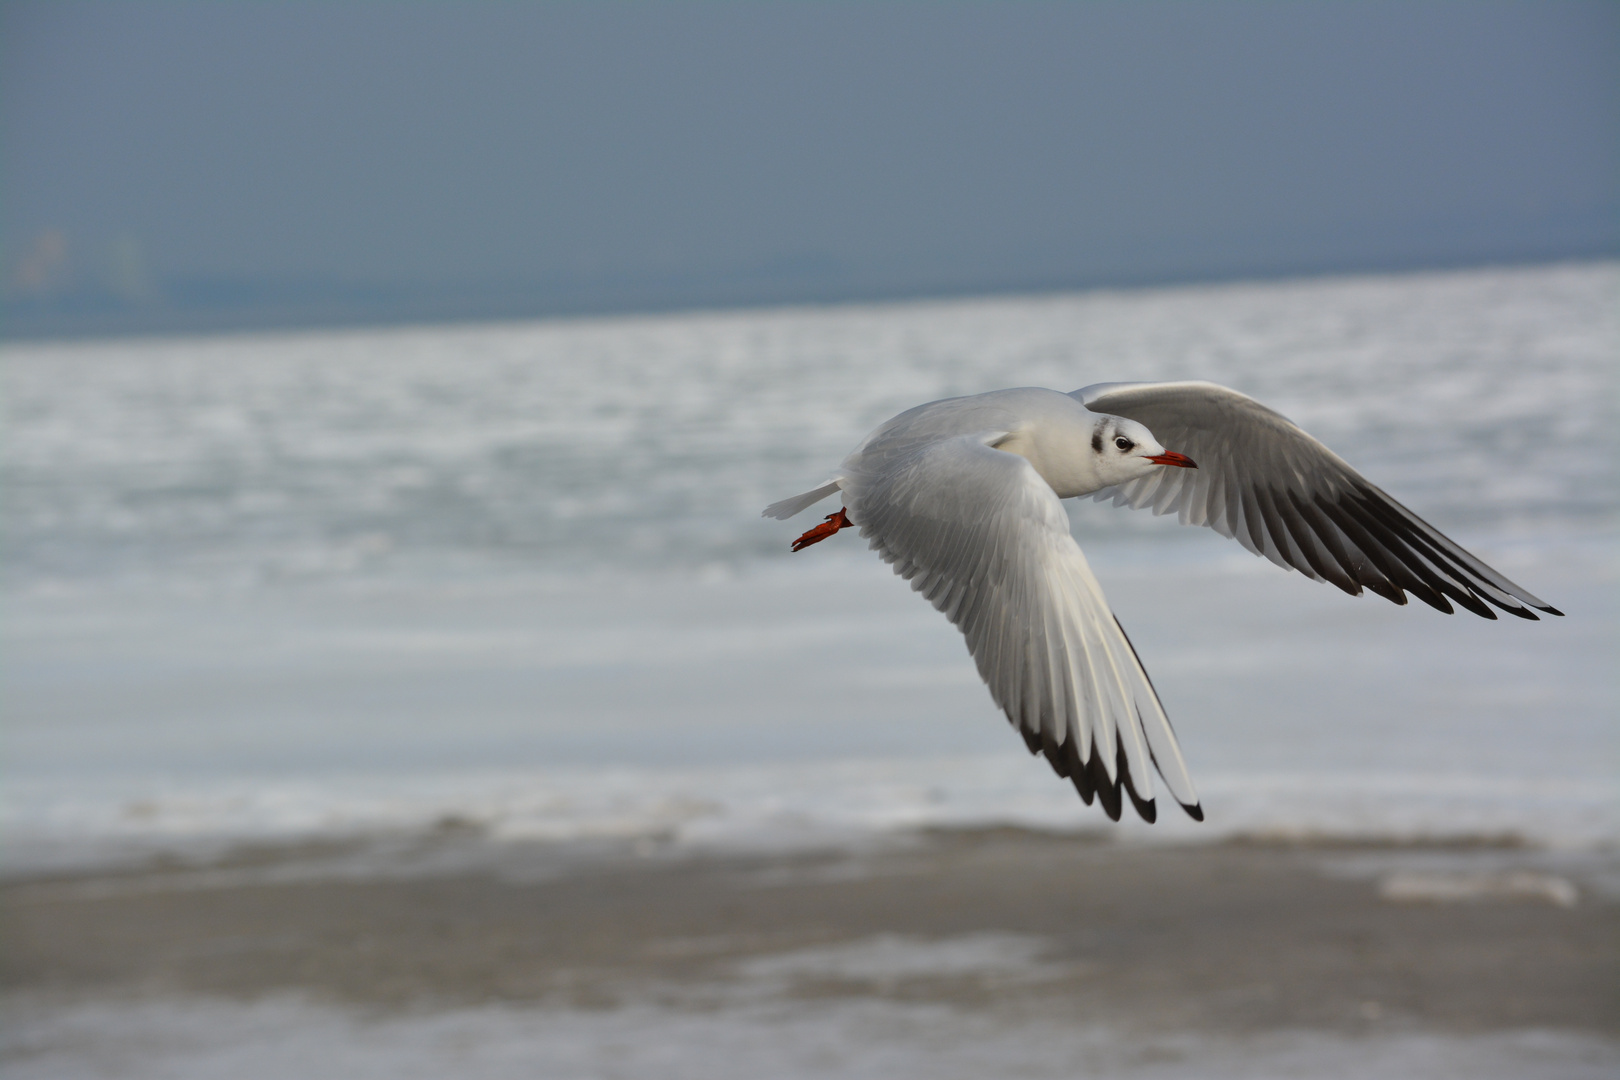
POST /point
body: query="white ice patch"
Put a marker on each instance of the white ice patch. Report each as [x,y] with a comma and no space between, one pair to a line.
[1442,888]
[885,960]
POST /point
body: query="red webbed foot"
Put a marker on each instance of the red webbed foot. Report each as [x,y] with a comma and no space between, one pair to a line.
[832,524]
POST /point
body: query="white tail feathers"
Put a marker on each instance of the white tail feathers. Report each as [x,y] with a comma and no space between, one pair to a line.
[785,509]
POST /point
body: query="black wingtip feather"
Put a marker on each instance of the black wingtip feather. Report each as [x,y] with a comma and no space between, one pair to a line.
[1387,591]
[1144,807]
[1090,778]
[1421,538]
[1097,780]
[1084,782]
[1436,601]
[1553,611]
[1112,804]
[1195,811]
[1059,757]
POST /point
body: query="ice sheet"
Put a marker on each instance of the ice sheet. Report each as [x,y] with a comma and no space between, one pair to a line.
[276,586]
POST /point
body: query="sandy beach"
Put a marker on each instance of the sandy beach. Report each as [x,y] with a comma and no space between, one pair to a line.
[1232,940]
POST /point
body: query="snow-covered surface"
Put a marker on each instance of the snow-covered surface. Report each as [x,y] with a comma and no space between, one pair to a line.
[282,586]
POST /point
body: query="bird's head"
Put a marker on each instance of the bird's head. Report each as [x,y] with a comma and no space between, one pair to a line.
[1124,450]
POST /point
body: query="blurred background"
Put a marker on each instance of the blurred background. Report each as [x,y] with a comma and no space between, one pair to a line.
[182,166]
[390,393]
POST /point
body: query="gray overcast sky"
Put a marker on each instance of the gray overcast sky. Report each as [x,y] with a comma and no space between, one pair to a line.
[885,146]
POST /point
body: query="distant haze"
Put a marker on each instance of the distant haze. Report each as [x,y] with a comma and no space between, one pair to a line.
[183,166]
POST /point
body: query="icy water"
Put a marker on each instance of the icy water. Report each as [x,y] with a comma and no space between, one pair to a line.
[514,576]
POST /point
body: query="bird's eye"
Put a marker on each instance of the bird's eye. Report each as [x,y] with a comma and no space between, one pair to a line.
[1123,443]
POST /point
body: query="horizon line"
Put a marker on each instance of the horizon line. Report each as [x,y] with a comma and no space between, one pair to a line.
[526,302]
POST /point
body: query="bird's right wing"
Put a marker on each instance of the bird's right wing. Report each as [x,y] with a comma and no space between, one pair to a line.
[986,541]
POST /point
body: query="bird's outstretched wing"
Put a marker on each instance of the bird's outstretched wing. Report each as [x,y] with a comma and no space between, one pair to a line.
[986,541]
[1267,484]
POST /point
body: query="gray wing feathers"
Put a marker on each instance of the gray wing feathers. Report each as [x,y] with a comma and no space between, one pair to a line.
[1280,493]
[986,541]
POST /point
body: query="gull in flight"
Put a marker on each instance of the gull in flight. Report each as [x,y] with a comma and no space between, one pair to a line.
[962,496]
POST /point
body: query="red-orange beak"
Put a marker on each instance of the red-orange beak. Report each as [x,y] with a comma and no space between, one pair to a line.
[1170,457]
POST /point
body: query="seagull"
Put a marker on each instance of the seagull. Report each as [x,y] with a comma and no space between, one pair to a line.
[962,497]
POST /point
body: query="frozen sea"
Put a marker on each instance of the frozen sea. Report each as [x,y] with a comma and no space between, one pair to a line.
[295,585]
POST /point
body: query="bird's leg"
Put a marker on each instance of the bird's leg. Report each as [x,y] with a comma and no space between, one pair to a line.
[832,524]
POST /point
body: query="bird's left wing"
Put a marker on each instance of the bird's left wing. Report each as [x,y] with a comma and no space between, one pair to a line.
[1280,493]
[986,541]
